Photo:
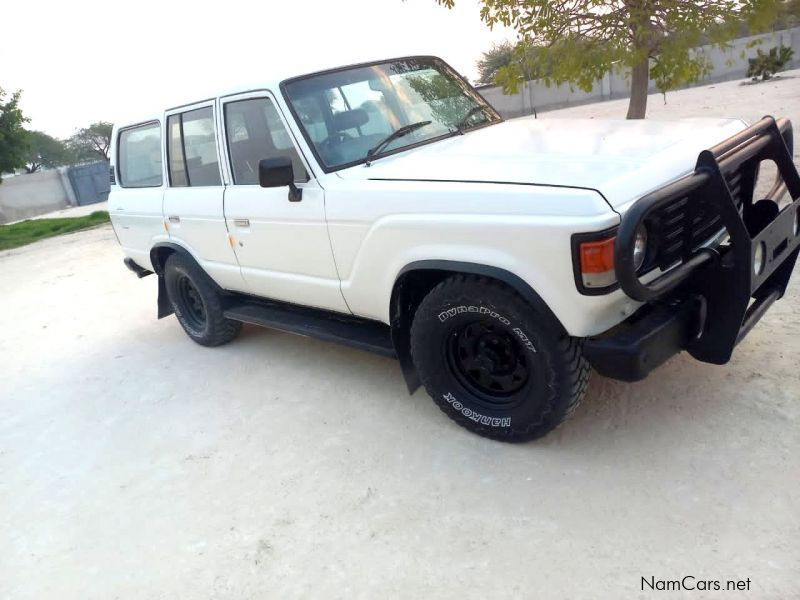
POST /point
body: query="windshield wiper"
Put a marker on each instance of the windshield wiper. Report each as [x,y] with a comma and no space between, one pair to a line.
[463,122]
[398,133]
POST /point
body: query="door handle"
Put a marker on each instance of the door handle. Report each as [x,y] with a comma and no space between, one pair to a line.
[174,219]
[241,222]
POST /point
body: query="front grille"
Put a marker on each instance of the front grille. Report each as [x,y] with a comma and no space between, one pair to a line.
[677,230]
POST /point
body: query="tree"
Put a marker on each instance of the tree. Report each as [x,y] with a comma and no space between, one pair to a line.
[93,142]
[506,54]
[788,15]
[45,151]
[492,60]
[652,38]
[13,138]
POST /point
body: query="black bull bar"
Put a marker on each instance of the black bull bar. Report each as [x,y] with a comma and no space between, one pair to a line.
[709,301]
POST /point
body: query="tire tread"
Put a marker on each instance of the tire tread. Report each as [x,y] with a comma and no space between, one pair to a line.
[560,406]
[221,330]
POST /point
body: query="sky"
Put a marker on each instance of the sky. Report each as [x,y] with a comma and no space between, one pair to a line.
[91,60]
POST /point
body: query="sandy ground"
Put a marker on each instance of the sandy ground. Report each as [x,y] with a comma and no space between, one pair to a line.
[135,464]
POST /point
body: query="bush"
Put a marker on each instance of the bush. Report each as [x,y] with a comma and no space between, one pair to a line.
[766,64]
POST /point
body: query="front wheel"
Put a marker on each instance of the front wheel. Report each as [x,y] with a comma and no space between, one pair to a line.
[197,304]
[492,363]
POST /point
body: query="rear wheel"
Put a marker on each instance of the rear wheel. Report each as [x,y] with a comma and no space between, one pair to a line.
[197,304]
[492,363]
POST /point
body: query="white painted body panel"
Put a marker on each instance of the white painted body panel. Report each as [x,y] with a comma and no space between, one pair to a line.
[137,213]
[201,229]
[283,247]
[380,228]
[621,159]
[509,196]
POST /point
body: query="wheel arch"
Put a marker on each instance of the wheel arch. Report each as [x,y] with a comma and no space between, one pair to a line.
[161,251]
[159,254]
[416,279]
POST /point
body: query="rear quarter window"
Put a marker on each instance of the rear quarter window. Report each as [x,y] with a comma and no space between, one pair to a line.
[139,156]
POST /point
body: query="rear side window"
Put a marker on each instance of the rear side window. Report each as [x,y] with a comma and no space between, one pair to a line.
[255,132]
[139,156]
[192,149]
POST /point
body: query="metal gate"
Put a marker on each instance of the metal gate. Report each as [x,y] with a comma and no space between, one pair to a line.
[89,182]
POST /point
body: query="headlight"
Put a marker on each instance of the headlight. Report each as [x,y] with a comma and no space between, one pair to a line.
[640,247]
[758,258]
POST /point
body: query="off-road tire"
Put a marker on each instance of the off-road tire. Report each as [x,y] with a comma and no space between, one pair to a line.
[467,311]
[184,278]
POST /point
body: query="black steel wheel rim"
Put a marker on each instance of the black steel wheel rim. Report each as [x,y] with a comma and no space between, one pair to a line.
[489,361]
[194,310]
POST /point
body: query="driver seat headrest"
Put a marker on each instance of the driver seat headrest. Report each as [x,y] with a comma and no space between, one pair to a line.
[350,119]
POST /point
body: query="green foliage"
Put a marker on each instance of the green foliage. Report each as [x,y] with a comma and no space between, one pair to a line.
[766,64]
[13,137]
[92,143]
[579,41]
[494,59]
[506,55]
[32,230]
[788,15]
[45,151]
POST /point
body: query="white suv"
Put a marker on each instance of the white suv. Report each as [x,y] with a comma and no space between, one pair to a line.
[389,207]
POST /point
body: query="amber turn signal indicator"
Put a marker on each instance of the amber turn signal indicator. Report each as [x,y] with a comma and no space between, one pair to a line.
[597,257]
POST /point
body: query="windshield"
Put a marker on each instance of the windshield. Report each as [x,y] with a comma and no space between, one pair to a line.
[345,114]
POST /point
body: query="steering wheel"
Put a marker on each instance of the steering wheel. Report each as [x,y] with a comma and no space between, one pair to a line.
[336,138]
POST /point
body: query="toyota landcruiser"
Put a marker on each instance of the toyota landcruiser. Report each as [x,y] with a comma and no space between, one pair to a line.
[387,206]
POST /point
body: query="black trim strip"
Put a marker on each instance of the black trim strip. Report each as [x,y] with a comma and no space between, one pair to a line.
[547,185]
[183,152]
[348,330]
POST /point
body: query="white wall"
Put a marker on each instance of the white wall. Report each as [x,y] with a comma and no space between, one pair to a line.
[25,196]
[727,64]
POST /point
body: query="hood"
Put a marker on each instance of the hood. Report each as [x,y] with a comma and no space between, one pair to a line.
[622,160]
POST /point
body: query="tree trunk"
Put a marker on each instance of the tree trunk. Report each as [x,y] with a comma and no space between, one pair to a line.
[640,82]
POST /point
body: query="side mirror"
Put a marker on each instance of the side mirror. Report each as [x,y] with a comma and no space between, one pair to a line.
[278,172]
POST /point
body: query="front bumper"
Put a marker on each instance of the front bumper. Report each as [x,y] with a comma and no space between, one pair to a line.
[711,300]
[645,341]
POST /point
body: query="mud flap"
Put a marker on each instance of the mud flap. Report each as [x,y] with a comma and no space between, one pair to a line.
[164,305]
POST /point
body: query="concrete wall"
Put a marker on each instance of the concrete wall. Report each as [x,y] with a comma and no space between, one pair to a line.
[730,63]
[25,196]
